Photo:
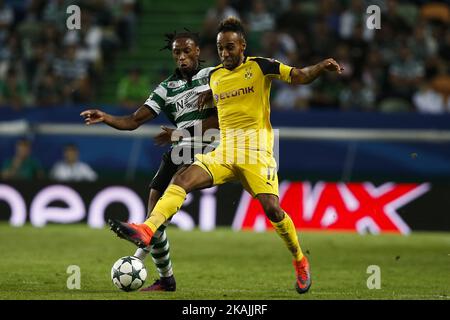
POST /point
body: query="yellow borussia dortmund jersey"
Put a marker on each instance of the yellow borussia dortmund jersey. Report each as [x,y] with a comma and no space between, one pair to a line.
[242,99]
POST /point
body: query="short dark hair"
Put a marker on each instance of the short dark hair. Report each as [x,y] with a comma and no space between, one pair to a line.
[232,24]
[171,37]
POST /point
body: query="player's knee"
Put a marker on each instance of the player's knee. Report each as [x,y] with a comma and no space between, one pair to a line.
[180,181]
[183,181]
[193,178]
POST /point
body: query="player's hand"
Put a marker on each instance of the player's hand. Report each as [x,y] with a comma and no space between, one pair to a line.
[204,98]
[166,136]
[93,116]
[331,65]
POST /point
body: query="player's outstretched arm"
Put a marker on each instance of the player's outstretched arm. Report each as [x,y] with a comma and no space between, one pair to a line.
[309,74]
[130,122]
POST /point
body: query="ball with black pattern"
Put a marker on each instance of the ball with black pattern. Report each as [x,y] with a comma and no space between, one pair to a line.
[128,273]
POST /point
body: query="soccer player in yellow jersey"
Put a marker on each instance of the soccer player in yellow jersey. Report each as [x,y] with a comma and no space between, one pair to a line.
[240,87]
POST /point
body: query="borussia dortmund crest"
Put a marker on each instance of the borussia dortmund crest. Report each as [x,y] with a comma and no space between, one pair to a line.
[248,73]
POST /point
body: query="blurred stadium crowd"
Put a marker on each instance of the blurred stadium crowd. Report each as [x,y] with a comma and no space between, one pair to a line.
[43,63]
[404,66]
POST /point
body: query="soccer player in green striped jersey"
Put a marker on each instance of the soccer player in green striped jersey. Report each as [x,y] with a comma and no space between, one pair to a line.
[177,97]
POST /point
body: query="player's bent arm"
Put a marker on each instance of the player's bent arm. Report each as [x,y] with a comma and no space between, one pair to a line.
[309,74]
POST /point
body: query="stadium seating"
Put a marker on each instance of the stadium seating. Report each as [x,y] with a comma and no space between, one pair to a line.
[156,19]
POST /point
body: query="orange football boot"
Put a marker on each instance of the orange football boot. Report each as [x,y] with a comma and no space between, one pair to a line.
[303,282]
[139,234]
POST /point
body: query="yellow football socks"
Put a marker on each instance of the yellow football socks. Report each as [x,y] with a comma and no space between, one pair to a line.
[286,230]
[166,207]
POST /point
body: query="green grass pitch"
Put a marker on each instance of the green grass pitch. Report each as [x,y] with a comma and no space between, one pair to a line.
[225,264]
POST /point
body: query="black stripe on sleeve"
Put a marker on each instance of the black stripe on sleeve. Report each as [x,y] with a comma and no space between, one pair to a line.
[268,66]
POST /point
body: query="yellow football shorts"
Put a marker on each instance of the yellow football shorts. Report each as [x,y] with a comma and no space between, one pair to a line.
[256,170]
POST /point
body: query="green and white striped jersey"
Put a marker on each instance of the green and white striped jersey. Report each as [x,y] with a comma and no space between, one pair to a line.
[178,99]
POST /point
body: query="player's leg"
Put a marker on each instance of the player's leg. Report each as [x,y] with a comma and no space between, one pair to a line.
[194,177]
[153,197]
[160,181]
[261,181]
[285,228]
[134,232]
[206,171]
[282,223]
[160,247]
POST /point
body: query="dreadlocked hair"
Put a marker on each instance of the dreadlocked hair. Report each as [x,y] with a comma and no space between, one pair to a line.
[232,24]
[171,37]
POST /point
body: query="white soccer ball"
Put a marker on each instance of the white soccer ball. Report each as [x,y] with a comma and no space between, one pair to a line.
[128,273]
